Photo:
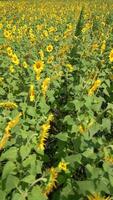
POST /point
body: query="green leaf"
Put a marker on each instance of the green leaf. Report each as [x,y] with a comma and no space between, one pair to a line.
[44,108]
[31,111]
[69,120]
[8,168]
[62,136]
[29,160]
[102,185]
[24,151]
[74,158]
[74,128]
[89,153]
[88,102]
[50,94]
[94,129]
[106,124]
[2,40]
[111,179]
[78,104]
[17,196]
[67,191]
[107,168]
[23,94]
[86,186]
[2,195]
[105,91]
[36,194]
[23,106]
[93,172]
[39,166]
[10,154]
[11,183]
[2,91]
[28,179]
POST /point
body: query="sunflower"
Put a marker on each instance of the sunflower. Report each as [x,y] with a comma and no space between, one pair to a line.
[7,34]
[45,33]
[94,87]
[111,56]
[50,59]
[8,105]
[98,197]
[70,67]
[63,166]
[1,80]
[25,65]
[51,182]
[49,48]
[109,159]
[9,51]
[81,129]
[1,26]
[45,86]
[11,124]
[44,133]
[11,69]
[103,47]
[32,93]
[38,66]
[41,53]
[15,59]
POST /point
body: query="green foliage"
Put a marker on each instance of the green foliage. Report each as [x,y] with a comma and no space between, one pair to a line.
[77,142]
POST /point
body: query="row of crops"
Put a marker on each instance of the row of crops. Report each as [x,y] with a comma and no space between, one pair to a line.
[56,100]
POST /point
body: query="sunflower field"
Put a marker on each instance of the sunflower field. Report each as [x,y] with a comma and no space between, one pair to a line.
[56,100]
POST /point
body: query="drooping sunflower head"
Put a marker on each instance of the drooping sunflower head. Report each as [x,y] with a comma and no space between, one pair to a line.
[8,105]
[32,93]
[98,197]
[15,59]
[111,56]
[9,51]
[94,87]
[45,85]
[53,174]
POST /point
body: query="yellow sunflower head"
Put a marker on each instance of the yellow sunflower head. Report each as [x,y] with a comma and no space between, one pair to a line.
[49,48]
[63,166]
[38,66]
